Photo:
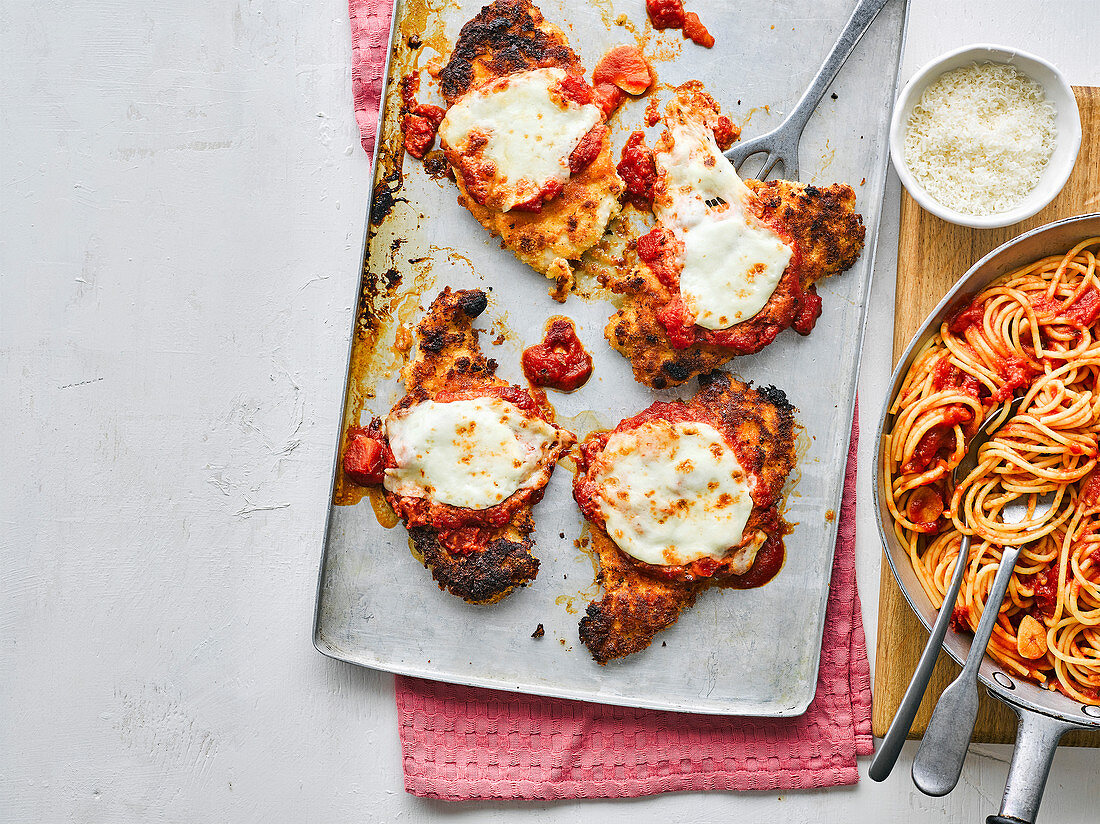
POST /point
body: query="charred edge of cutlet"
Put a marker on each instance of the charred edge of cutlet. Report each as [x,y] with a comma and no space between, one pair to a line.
[777,398]
[822,233]
[608,634]
[676,370]
[733,405]
[508,30]
[811,214]
[438,328]
[680,367]
[596,632]
[473,302]
[782,437]
[715,380]
[481,577]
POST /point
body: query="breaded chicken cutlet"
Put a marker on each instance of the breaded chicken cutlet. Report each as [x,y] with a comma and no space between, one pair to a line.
[665,490]
[463,457]
[527,140]
[730,264]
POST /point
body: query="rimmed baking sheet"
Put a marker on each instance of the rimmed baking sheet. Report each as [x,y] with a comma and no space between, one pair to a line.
[743,652]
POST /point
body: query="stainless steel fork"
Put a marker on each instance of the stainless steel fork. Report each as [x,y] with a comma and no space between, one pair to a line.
[781,143]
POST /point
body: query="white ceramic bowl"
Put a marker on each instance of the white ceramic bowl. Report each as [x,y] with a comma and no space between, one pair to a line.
[1067,124]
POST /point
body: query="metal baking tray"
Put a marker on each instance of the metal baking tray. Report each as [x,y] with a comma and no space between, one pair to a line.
[744,652]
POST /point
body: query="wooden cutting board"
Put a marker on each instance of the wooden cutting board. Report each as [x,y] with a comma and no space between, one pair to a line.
[932,255]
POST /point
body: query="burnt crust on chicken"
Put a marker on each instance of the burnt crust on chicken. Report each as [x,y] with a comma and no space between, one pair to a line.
[506,37]
[482,577]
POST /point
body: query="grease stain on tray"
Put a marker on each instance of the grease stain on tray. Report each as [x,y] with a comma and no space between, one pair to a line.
[591,591]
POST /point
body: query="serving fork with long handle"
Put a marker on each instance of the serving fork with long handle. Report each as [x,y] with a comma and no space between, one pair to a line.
[939,761]
[781,144]
[887,754]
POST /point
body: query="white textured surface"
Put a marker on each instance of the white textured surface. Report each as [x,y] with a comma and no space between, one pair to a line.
[181,201]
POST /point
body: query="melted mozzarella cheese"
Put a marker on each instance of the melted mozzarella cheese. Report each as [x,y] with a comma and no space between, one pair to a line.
[731,265]
[671,493]
[470,453]
[529,134]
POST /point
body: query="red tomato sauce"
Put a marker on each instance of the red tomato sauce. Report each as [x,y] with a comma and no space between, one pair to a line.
[1045,586]
[960,619]
[420,128]
[624,67]
[588,149]
[366,455]
[548,191]
[1015,373]
[1090,494]
[573,87]
[946,375]
[670,14]
[939,439]
[560,361]
[678,322]
[768,562]
[514,395]
[638,172]
[725,133]
[696,32]
[662,253]
[970,315]
[934,440]
[608,97]
[1084,311]
[665,14]
[420,121]
[807,311]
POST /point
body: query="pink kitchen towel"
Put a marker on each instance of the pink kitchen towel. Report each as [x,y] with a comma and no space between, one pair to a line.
[464,743]
[370,34]
[467,743]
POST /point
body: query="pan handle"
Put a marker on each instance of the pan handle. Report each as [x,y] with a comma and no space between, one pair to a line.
[1037,737]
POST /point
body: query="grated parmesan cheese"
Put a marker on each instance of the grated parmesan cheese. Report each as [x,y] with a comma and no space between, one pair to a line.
[979,138]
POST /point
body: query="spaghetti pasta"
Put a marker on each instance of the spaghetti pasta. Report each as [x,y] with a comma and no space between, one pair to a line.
[1033,333]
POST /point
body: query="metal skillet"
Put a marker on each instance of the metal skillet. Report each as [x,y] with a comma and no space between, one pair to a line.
[1044,715]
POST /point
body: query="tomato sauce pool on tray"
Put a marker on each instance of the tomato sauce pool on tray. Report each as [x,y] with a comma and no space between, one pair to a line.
[670,14]
[560,361]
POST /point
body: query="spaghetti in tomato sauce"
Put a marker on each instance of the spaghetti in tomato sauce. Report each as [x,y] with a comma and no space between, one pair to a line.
[1034,333]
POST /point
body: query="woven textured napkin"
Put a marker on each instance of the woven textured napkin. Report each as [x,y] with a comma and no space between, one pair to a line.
[462,742]
[465,743]
[370,34]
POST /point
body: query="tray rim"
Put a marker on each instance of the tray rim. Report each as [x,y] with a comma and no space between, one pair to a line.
[797,708]
[318,641]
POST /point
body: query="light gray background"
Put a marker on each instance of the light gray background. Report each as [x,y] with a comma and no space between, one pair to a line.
[168,433]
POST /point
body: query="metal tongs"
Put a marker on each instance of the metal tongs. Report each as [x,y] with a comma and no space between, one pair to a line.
[781,143]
